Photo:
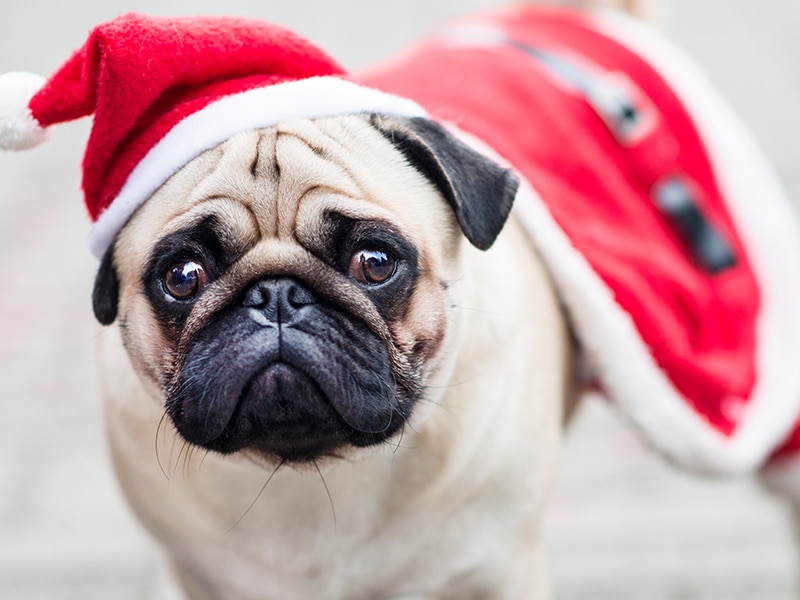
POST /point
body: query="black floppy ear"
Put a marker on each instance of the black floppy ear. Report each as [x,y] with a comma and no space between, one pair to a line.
[480,191]
[105,296]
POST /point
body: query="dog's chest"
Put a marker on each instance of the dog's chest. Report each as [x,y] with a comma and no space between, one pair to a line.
[356,532]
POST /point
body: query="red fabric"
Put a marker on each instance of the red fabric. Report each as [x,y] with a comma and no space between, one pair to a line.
[139,75]
[699,327]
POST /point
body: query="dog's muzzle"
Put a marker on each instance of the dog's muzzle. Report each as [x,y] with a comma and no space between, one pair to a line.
[283,372]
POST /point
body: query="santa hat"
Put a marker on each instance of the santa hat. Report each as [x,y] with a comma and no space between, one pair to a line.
[163,90]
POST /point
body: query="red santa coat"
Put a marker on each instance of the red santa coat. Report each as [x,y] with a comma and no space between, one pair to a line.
[672,246]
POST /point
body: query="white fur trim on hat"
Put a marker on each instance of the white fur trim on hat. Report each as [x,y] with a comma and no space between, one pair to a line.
[19,130]
[311,98]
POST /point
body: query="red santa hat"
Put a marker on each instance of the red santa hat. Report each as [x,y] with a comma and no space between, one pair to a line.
[163,90]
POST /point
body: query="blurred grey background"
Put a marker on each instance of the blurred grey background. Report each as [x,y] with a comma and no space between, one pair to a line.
[622,524]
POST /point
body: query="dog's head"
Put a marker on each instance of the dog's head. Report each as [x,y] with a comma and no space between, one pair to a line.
[288,292]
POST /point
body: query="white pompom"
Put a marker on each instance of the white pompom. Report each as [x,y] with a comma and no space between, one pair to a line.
[19,130]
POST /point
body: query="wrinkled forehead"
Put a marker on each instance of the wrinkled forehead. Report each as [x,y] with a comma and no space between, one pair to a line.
[271,182]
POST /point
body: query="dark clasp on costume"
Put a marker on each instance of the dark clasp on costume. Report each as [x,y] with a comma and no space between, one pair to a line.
[675,199]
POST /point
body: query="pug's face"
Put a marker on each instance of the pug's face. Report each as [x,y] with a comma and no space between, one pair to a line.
[288,292]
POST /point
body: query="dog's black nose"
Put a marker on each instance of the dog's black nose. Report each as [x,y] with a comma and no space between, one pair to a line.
[276,300]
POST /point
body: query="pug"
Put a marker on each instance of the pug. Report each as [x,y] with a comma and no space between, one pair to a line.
[336,363]
[319,382]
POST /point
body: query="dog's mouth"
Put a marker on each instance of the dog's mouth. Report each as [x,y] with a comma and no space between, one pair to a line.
[281,412]
[284,413]
[296,393]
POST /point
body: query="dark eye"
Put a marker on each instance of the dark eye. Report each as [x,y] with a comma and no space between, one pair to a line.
[185,279]
[371,266]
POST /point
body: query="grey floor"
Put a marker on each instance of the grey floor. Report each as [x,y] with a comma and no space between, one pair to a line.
[622,525]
